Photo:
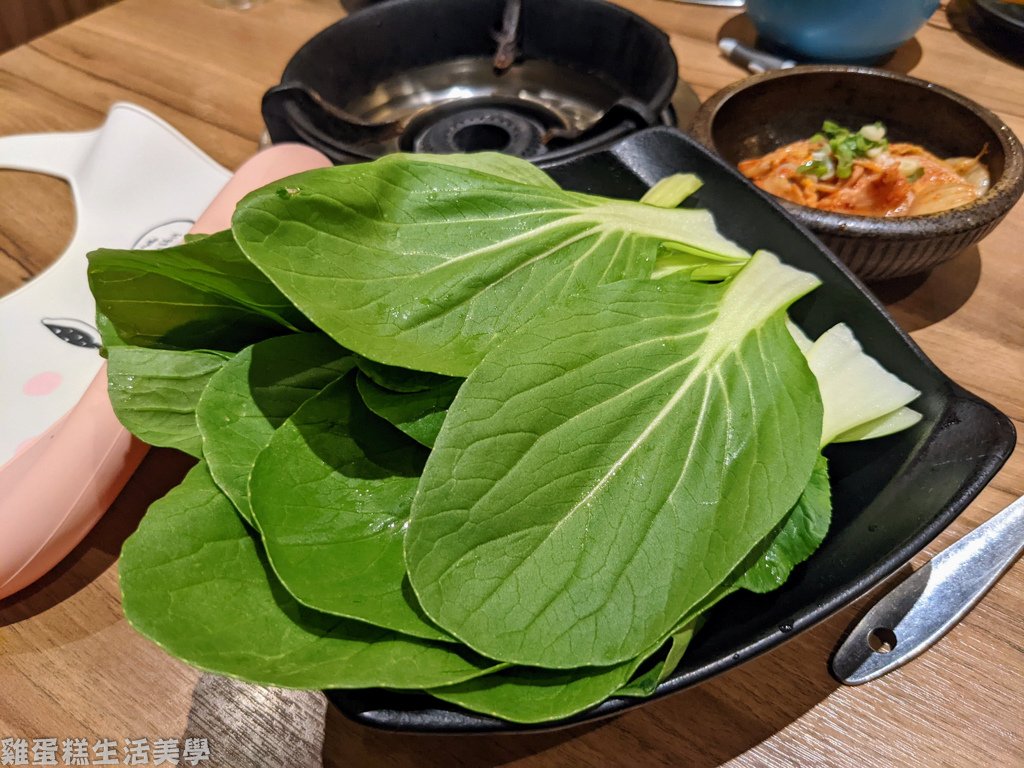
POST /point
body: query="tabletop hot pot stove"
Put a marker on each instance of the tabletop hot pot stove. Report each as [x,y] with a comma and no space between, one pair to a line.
[544,81]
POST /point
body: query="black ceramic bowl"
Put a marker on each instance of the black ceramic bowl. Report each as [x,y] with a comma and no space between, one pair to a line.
[762,113]
[891,496]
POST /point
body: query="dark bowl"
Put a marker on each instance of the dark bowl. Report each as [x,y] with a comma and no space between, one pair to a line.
[891,496]
[862,32]
[762,113]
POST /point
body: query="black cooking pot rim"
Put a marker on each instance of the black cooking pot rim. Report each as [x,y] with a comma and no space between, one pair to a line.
[375,46]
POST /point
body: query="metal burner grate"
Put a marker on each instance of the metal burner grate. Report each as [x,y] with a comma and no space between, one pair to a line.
[421,76]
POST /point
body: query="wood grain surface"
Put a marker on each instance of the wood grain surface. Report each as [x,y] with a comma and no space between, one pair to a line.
[71,667]
[21,20]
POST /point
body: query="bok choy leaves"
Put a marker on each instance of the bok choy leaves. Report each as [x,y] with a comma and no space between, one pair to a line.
[464,432]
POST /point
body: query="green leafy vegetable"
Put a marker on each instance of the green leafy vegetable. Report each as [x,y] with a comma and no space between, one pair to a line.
[802,339]
[154,393]
[195,582]
[695,263]
[534,695]
[203,294]
[767,568]
[108,334]
[427,266]
[895,421]
[614,401]
[799,535]
[631,446]
[646,683]
[671,191]
[331,494]
[503,166]
[855,389]
[399,379]
[526,695]
[418,414]
[252,395]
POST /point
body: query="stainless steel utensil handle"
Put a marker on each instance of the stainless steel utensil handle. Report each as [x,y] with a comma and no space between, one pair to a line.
[924,607]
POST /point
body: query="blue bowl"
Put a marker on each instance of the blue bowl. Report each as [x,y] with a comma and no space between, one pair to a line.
[840,30]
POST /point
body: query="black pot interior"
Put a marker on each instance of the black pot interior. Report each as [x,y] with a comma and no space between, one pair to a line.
[419,75]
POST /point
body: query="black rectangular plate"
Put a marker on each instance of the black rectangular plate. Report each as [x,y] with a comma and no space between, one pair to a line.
[891,496]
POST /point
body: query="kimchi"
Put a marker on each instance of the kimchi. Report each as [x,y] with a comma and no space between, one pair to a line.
[863,173]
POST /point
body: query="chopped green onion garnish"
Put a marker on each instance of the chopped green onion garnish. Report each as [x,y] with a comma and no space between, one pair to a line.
[818,168]
[875,132]
[846,146]
[911,168]
[832,129]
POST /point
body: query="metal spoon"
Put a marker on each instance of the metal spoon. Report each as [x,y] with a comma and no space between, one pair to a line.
[924,607]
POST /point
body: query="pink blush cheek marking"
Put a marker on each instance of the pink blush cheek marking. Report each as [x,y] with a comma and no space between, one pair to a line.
[42,384]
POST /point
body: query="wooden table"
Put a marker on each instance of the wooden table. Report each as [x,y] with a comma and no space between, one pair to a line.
[71,667]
